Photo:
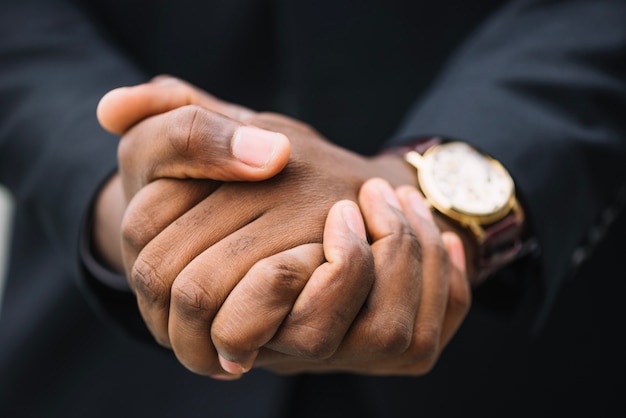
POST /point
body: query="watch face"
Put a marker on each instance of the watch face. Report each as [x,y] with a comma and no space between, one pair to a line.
[457,177]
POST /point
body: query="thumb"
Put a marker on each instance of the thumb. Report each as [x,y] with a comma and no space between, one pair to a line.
[121,108]
[191,142]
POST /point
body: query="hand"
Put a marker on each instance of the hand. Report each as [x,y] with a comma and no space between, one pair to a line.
[420,295]
[183,355]
[145,160]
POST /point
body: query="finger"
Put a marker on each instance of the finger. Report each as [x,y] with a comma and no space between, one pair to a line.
[201,288]
[192,142]
[123,107]
[155,207]
[372,193]
[203,285]
[408,258]
[460,297]
[259,303]
[456,309]
[436,281]
[211,277]
[336,291]
[148,267]
[222,251]
[158,243]
[384,327]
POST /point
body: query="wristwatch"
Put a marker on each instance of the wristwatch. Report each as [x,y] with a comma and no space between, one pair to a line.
[471,189]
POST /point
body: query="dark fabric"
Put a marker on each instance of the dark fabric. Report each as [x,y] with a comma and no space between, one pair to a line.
[538,84]
[555,96]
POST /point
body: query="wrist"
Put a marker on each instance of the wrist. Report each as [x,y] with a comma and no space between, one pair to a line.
[396,171]
[108,211]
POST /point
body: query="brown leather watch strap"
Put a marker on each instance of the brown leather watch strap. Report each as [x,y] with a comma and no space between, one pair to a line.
[502,244]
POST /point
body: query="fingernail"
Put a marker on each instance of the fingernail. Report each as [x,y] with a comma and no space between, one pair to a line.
[164,80]
[232,367]
[256,147]
[225,377]
[388,193]
[352,218]
[419,204]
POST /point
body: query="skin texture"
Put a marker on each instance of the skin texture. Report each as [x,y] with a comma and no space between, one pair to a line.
[239,260]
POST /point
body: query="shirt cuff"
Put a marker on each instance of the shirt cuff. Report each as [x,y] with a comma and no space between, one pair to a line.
[94,266]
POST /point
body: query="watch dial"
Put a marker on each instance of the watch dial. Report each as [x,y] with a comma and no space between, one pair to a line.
[459,177]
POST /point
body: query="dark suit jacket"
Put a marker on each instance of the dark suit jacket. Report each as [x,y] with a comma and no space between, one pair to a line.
[540,85]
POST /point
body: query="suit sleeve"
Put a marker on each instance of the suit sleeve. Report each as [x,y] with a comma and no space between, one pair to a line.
[54,67]
[541,86]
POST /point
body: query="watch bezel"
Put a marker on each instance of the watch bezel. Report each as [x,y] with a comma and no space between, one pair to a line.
[442,203]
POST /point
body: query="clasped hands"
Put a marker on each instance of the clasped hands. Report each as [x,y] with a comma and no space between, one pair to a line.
[241,237]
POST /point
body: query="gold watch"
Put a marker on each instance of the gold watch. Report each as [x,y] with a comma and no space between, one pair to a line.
[475,191]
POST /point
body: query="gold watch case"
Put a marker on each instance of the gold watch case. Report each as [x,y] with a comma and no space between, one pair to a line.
[465,185]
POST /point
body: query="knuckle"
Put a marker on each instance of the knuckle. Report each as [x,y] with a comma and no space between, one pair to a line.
[148,283]
[278,276]
[360,253]
[391,337]
[227,336]
[356,259]
[426,343]
[319,349]
[188,130]
[182,133]
[191,299]
[138,229]
[313,343]
[409,240]
[460,301]
[366,260]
